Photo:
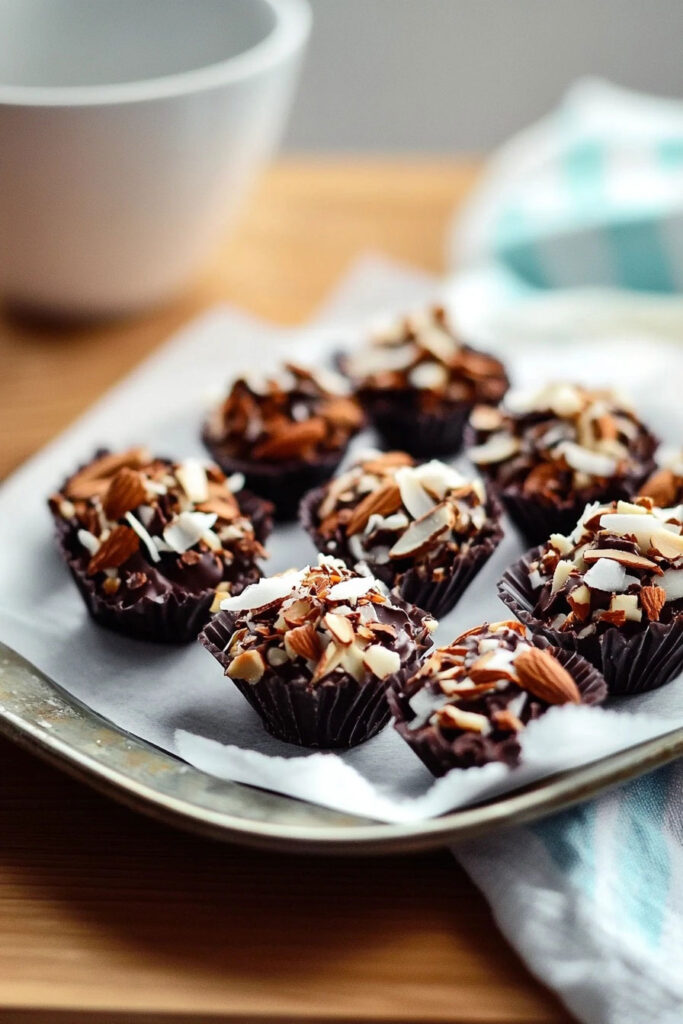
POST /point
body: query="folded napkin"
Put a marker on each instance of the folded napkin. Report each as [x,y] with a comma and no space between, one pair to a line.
[591,195]
[592,898]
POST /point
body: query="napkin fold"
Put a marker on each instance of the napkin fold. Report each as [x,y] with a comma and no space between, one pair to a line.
[592,899]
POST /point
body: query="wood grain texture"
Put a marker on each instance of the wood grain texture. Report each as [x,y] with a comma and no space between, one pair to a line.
[105,916]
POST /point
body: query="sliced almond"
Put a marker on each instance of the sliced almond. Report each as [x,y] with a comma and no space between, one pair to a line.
[381,503]
[667,543]
[423,532]
[303,642]
[125,492]
[340,628]
[298,611]
[497,448]
[329,660]
[580,601]
[506,721]
[627,558]
[121,543]
[486,417]
[451,717]
[249,666]
[542,675]
[652,600]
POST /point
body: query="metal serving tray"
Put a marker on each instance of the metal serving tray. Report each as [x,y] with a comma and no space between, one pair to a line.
[38,715]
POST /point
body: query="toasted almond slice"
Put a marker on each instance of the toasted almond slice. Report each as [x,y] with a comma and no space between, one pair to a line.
[542,675]
[452,717]
[506,721]
[423,532]
[652,600]
[486,417]
[389,460]
[303,642]
[561,575]
[667,543]
[298,611]
[125,492]
[340,628]
[580,601]
[330,658]
[626,558]
[382,502]
[249,666]
[121,543]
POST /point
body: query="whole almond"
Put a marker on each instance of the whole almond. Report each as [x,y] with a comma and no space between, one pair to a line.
[542,675]
[381,503]
[292,440]
[121,543]
[125,492]
[94,478]
[661,487]
[652,600]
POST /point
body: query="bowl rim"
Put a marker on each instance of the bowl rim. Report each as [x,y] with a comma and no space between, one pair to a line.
[290,31]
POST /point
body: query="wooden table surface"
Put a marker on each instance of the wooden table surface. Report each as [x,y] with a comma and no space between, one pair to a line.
[106,916]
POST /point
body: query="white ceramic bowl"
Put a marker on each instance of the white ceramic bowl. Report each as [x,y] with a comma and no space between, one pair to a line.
[129,130]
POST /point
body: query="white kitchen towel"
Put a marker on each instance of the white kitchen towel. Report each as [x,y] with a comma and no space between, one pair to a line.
[590,199]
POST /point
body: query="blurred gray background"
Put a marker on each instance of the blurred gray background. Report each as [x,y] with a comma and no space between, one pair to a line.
[462,75]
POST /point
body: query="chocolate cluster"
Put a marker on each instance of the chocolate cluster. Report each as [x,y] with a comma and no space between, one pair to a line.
[550,452]
[315,650]
[469,702]
[286,431]
[149,541]
[418,381]
[424,529]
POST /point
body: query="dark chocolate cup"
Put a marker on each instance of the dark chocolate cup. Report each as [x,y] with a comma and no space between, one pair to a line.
[176,619]
[337,713]
[402,426]
[440,754]
[644,661]
[281,483]
[437,598]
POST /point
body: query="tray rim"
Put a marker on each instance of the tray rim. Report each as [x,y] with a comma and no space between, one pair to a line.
[543,798]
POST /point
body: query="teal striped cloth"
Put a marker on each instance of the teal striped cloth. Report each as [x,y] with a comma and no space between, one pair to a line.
[592,197]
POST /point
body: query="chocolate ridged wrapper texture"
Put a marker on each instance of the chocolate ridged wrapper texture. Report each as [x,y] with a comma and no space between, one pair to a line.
[648,659]
[470,750]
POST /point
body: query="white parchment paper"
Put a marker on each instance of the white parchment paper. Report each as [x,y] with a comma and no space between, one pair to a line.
[177,698]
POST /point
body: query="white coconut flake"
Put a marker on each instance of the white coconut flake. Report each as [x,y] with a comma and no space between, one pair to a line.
[438,477]
[187,529]
[191,476]
[671,581]
[607,575]
[497,448]
[144,536]
[236,482]
[586,461]
[413,494]
[351,590]
[258,595]
[640,526]
[89,541]
[428,376]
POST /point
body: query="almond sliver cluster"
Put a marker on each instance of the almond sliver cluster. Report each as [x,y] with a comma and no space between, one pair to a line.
[322,618]
[292,414]
[126,503]
[561,435]
[485,680]
[391,510]
[621,566]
